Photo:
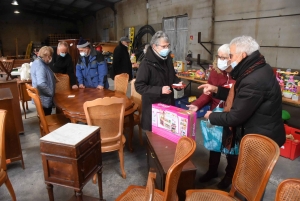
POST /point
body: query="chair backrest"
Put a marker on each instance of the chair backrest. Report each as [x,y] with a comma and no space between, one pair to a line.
[150,187]
[288,189]
[19,62]
[63,82]
[257,158]
[108,113]
[8,64]
[2,140]
[34,94]
[184,150]
[136,97]
[121,83]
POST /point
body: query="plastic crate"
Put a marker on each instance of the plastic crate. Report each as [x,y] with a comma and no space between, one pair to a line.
[200,113]
[291,148]
[178,101]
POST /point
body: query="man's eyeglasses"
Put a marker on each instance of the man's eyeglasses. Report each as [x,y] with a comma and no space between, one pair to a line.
[222,58]
[165,46]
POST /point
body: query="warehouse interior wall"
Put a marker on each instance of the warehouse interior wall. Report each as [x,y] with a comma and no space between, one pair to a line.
[29,27]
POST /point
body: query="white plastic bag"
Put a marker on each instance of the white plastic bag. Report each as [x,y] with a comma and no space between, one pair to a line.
[25,72]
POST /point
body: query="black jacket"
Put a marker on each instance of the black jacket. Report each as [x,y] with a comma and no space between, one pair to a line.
[121,61]
[153,74]
[257,103]
[64,65]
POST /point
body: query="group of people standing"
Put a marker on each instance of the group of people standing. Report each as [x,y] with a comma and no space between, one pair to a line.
[240,77]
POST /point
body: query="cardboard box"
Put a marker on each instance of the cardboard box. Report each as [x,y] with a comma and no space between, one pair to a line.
[172,123]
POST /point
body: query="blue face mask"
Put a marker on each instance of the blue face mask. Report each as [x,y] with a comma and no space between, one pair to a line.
[164,52]
[62,54]
[234,64]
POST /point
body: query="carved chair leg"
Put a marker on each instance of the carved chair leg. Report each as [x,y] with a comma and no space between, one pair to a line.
[10,189]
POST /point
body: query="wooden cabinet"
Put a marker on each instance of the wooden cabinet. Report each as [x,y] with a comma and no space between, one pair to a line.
[71,155]
[160,157]
[13,149]
[12,85]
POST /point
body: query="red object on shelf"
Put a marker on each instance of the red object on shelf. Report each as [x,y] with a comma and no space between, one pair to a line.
[291,148]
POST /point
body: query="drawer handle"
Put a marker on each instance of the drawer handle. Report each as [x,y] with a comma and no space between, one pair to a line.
[152,155]
[90,142]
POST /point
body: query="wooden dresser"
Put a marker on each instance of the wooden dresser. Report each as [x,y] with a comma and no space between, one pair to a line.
[71,155]
[13,149]
[160,157]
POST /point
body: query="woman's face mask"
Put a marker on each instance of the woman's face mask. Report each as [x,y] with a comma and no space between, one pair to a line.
[222,64]
[164,52]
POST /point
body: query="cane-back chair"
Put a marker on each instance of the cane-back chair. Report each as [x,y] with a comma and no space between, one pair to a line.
[257,158]
[184,150]
[62,82]
[47,123]
[6,67]
[121,83]
[288,189]
[3,175]
[108,113]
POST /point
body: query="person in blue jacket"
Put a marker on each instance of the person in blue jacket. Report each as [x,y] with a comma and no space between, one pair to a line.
[91,69]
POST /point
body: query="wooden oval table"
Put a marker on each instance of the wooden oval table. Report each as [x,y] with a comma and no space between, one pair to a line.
[72,107]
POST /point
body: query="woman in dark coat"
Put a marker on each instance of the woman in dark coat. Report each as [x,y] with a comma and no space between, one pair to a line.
[155,77]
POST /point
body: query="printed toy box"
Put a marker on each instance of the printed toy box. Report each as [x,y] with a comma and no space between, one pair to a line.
[172,122]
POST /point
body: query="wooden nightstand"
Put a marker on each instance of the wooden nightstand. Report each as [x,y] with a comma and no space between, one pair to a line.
[71,156]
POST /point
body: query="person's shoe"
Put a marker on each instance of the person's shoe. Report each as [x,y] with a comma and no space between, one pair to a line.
[208,176]
[224,183]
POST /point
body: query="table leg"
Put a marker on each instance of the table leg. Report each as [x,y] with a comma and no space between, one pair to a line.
[131,124]
[50,192]
[99,173]
[79,195]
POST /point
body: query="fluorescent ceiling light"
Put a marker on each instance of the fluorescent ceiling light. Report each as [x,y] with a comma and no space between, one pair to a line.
[15,3]
[17,12]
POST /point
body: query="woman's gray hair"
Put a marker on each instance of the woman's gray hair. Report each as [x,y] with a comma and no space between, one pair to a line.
[46,51]
[158,35]
[245,44]
[224,49]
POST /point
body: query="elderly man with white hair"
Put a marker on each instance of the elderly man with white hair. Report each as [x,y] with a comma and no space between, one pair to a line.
[256,97]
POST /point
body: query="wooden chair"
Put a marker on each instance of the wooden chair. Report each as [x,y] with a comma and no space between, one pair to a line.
[23,95]
[184,150]
[121,82]
[6,67]
[3,175]
[288,189]
[63,82]
[108,113]
[137,99]
[47,123]
[258,155]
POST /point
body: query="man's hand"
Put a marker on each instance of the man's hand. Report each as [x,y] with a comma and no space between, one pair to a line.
[208,88]
[206,116]
[81,86]
[74,86]
[166,90]
[100,87]
[193,108]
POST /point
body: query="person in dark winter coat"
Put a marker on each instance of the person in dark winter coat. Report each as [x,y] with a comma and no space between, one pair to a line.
[62,63]
[155,77]
[257,99]
[91,69]
[121,58]
[219,76]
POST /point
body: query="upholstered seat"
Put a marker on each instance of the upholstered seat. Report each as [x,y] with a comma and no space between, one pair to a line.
[258,156]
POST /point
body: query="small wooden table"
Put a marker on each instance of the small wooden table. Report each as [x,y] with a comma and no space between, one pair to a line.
[190,80]
[71,156]
[73,107]
[160,157]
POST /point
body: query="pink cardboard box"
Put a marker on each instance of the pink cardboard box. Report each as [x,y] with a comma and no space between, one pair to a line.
[172,122]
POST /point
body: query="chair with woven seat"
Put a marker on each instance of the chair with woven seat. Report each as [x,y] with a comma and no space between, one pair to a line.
[6,67]
[63,82]
[257,158]
[3,175]
[121,83]
[108,113]
[137,99]
[288,189]
[47,123]
[184,150]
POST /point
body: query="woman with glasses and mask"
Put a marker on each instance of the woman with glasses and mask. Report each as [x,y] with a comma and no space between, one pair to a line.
[219,76]
[155,77]
[43,78]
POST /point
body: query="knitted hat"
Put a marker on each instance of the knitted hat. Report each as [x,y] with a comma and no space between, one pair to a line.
[124,38]
[82,43]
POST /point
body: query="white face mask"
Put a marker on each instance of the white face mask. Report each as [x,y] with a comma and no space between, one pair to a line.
[83,54]
[222,64]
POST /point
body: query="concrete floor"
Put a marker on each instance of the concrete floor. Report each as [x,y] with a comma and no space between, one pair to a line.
[29,183]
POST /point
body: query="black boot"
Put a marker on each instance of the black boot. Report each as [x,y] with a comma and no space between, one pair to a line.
[214,160]
[231,165]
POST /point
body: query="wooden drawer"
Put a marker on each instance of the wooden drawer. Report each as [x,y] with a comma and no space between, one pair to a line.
[88,143]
